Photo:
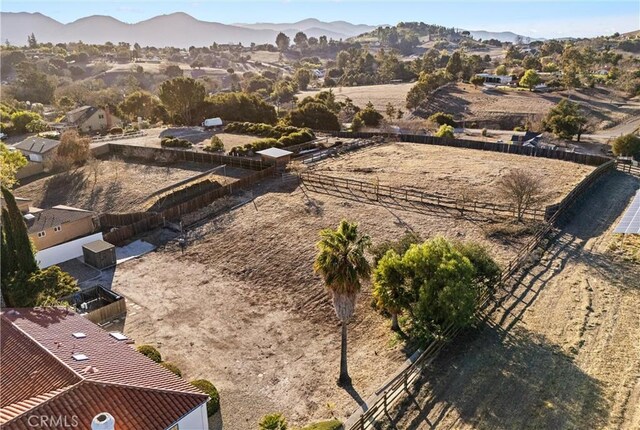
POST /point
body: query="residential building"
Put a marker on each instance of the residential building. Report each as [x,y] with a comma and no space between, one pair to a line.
[38,149]
[89,119]
[57,225]
[59,365]
[491,79]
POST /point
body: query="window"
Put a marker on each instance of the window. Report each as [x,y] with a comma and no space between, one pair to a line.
[100,116]
[57,228]
[42,234]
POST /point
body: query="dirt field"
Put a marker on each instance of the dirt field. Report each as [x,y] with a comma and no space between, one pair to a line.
[243,308]
[562,351]
[451,171]
[379,95]
[120,186]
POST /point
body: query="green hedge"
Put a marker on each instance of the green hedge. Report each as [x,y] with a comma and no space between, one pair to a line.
[150,352]
[324,425]
[172,368]
[213,405]
[174,142]
[278,136]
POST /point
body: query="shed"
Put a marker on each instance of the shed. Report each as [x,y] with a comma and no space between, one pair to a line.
[99,254]
[280,156]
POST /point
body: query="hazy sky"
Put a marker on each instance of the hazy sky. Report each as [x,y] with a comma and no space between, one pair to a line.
[540,18]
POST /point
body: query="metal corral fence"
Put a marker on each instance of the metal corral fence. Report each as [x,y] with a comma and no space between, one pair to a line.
[375,192]
[341,149]
[393,390]
[177,155]
[126,226]
[111,137]
[588,159]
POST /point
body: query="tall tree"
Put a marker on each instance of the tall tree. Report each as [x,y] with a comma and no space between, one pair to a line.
[530,79]
[16,237]
[389,289]
[343,266]
[282,42]
[10,163]
[181,96]
[565,120]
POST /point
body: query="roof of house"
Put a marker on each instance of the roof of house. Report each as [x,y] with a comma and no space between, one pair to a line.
[98,246]
[274,152]
[37,144]
[47,380]
[85,113]
[525,137]
[54,216]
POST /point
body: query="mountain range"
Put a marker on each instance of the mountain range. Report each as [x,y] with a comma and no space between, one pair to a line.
[177,29]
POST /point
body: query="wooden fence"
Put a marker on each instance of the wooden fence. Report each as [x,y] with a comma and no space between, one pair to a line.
[588,159]
[376,192]
[186,155]
[395,389]
[137,223]
[628,168]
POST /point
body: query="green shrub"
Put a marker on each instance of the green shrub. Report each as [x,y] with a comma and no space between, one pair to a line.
[172,142]
[485,133]
[213,405]
[215,145]
[442,118]
[150,352]
[445,131]
[172,368]
[273,422]
[324,425]
[115,130]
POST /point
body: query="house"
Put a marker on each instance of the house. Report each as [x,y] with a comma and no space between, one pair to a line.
[37,149]
[22,203]
[58,365]
[89,119]
[57,225]
[491,79]
[529,138]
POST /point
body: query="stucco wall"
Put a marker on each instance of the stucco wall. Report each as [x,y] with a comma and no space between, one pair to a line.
[68,231]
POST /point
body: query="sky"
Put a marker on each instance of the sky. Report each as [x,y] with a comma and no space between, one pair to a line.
[537,18]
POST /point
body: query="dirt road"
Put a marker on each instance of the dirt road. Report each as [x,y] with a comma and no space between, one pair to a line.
[563,348]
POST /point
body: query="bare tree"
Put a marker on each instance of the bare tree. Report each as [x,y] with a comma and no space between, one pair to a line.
[522,189]
[95,168]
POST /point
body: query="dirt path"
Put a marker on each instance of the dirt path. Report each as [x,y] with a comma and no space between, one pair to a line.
[563,348]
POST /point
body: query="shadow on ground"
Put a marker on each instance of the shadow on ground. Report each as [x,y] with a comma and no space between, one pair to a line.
[498,380]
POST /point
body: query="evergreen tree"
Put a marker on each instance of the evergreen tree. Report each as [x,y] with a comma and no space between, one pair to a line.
[16,237]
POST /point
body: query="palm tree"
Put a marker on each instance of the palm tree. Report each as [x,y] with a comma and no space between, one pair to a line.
[342,264]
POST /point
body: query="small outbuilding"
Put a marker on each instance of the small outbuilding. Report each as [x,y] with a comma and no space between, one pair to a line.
[280,156]
[99,254]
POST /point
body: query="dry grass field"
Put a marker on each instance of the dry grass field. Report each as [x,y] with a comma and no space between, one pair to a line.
[119,186]
[379,95]
[450,171]
[243,308]
[562,350]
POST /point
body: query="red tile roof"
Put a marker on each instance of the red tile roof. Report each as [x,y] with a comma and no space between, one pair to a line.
[115,378]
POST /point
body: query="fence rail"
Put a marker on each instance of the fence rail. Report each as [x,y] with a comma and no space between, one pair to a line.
[394,390]
[186,155]
[111,137]
[588,159]
[628,168]
[375,192]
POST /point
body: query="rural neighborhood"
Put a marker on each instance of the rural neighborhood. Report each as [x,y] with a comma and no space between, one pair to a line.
[319,224]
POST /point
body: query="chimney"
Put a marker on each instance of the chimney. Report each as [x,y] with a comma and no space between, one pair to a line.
[103,421]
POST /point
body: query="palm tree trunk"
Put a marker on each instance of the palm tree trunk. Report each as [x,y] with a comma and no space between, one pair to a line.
[394,322]
[344,379]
